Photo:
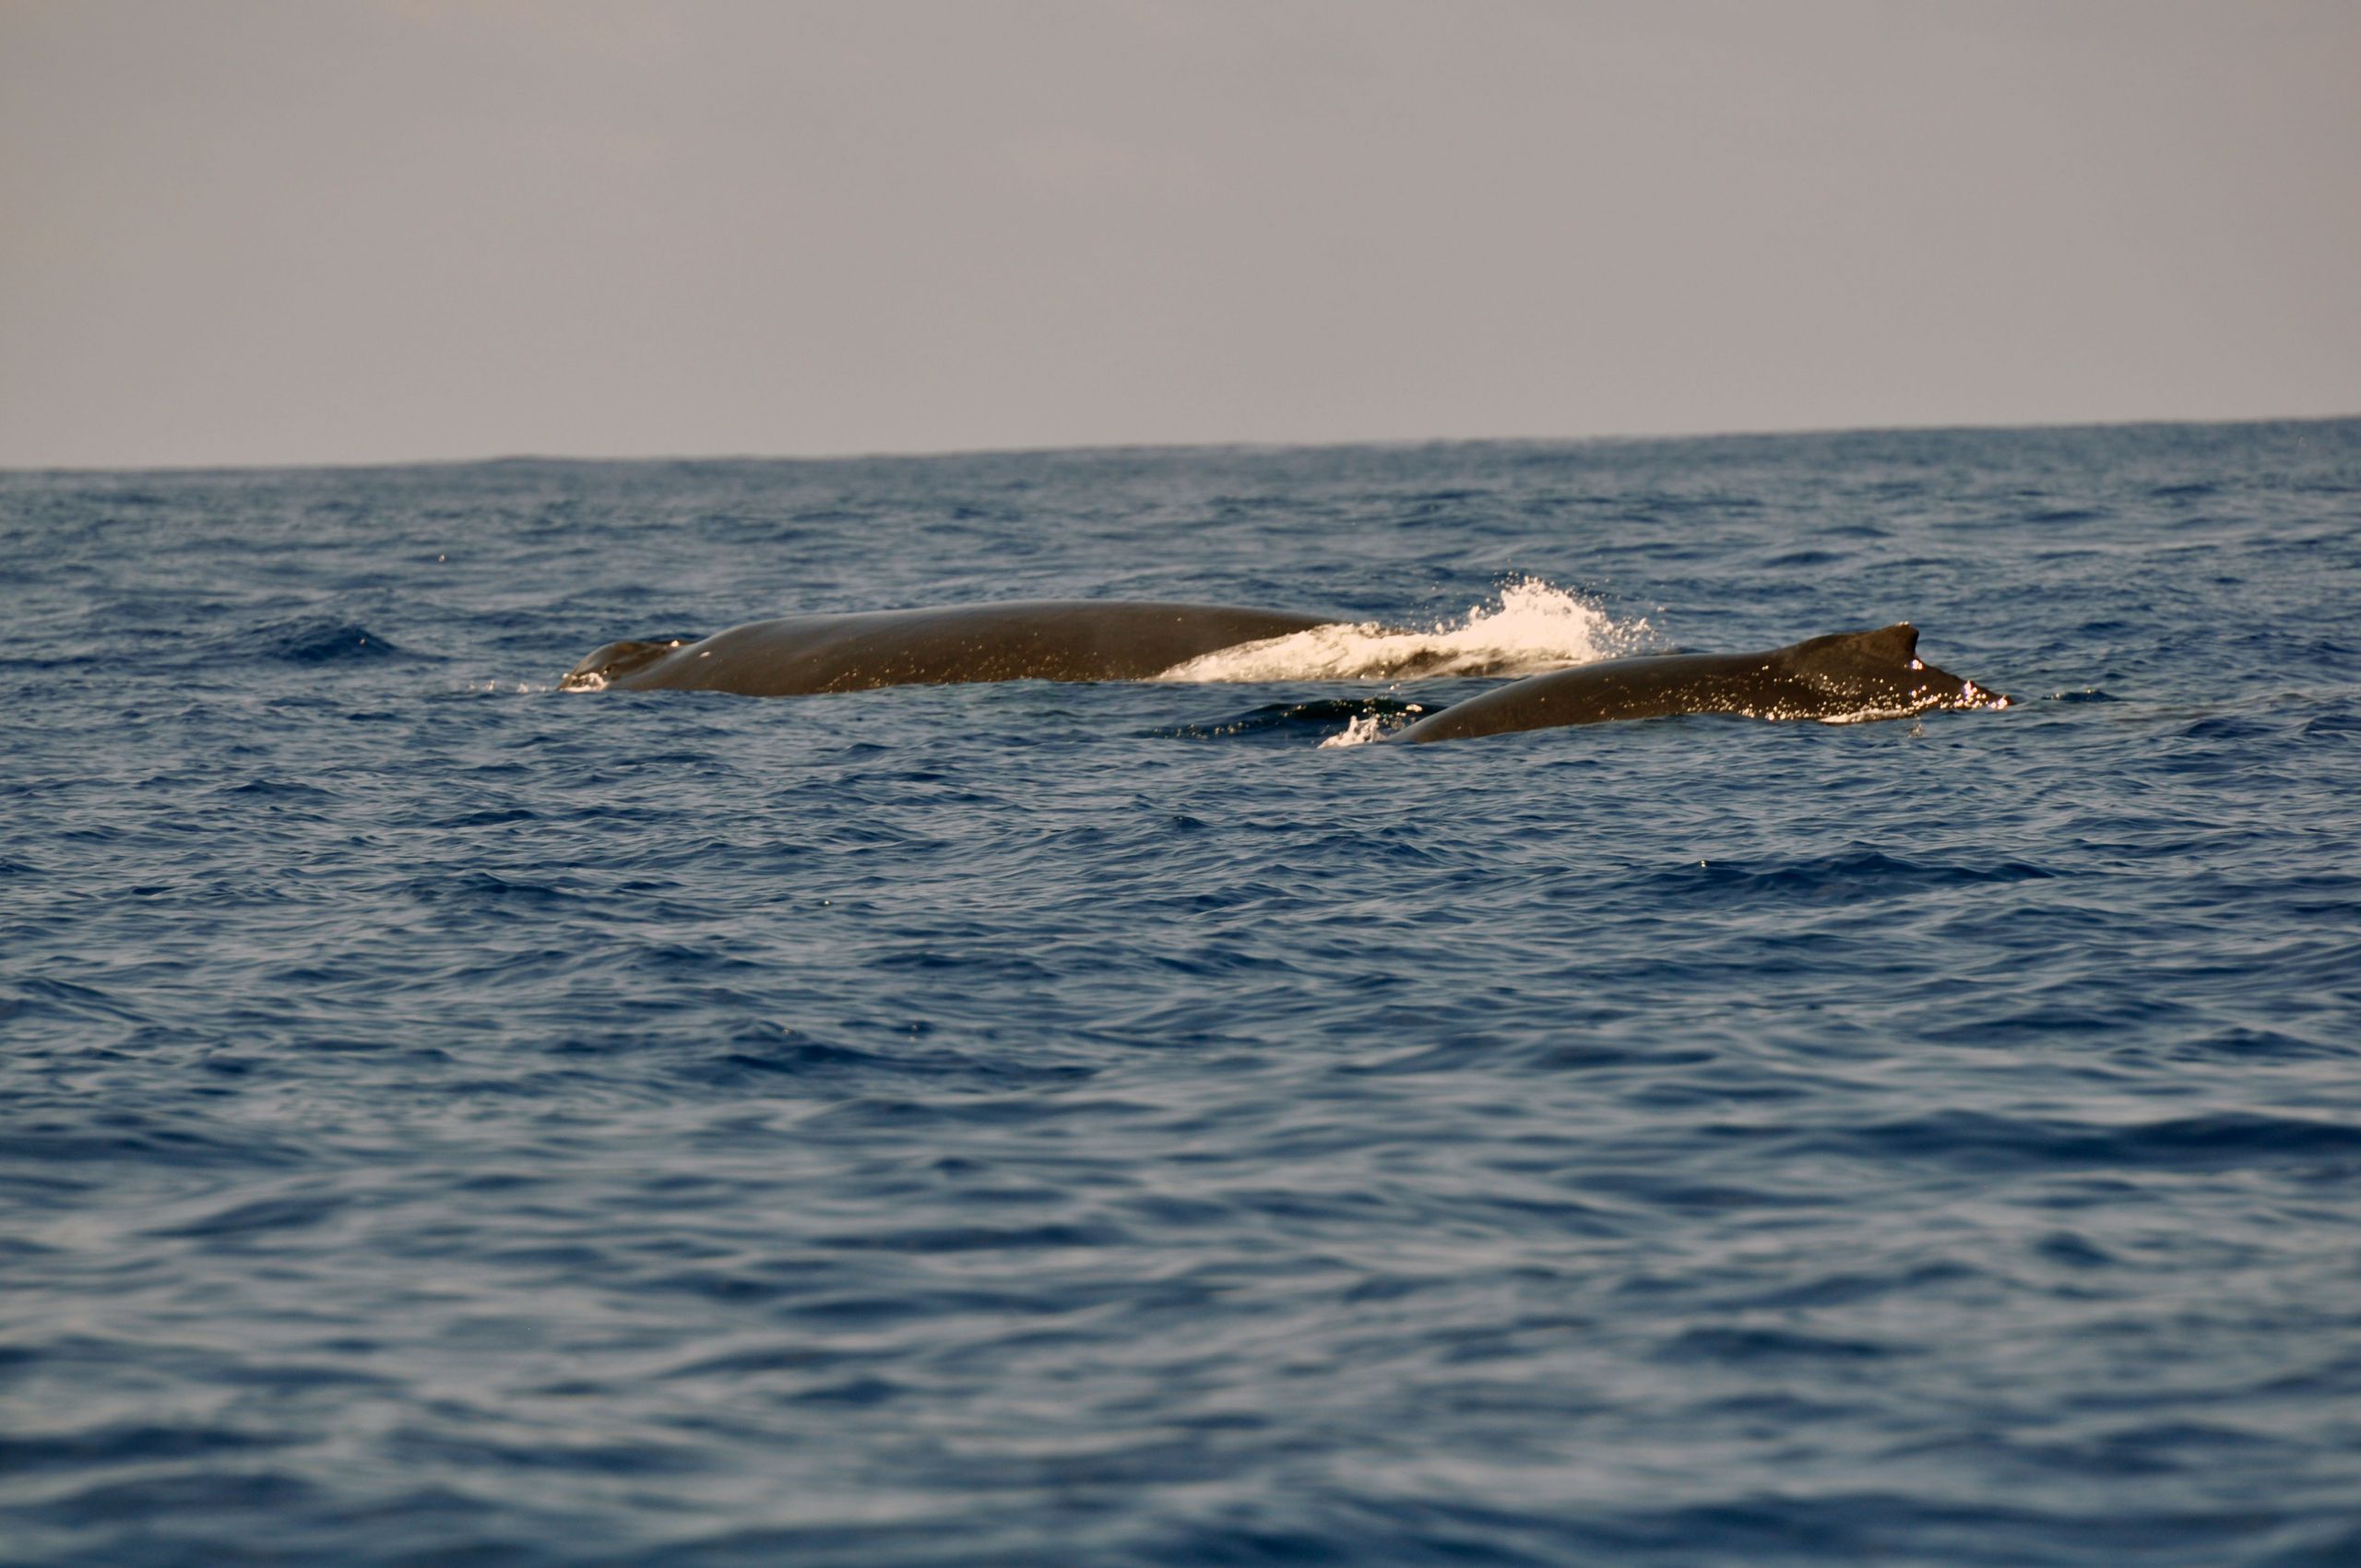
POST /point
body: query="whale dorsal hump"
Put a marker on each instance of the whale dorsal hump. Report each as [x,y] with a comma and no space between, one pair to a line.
[1886,647]
[1897,643]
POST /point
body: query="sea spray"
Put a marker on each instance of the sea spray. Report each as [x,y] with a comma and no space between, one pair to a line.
[1534,626]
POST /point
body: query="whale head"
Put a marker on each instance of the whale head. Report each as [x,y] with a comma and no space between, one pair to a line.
[1883,670]
[614,662]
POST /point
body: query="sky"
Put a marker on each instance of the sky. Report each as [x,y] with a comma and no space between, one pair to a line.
[354,230]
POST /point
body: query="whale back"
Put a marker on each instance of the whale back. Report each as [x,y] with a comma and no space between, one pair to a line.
[1845,675]
[1051,640]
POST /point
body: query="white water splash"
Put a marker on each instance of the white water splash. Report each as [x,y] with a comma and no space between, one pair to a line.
[1971,696]
[1357,732]
[1852,716]
[1534,627]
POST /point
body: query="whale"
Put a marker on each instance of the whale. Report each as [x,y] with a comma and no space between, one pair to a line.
[1838,678]
[1079,639]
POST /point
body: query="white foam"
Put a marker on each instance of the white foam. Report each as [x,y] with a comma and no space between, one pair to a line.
[1357,732]
[1973,695]
[1533,628]
[1856,716]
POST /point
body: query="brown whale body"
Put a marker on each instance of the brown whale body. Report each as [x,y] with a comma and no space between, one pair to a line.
[1032,640]
[1848,674]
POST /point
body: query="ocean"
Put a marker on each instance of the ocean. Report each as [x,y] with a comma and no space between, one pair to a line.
[446,1119]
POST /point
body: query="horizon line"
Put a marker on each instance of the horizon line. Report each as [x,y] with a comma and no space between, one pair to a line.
[917,453]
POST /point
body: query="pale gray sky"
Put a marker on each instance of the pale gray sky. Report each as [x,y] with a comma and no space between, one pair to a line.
[333,231]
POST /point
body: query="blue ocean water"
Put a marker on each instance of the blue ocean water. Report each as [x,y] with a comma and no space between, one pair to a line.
[448,1119]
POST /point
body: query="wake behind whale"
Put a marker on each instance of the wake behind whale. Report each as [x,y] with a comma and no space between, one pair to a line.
[1534,627]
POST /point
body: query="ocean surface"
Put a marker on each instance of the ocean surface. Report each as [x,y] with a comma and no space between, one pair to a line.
[445,1118]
